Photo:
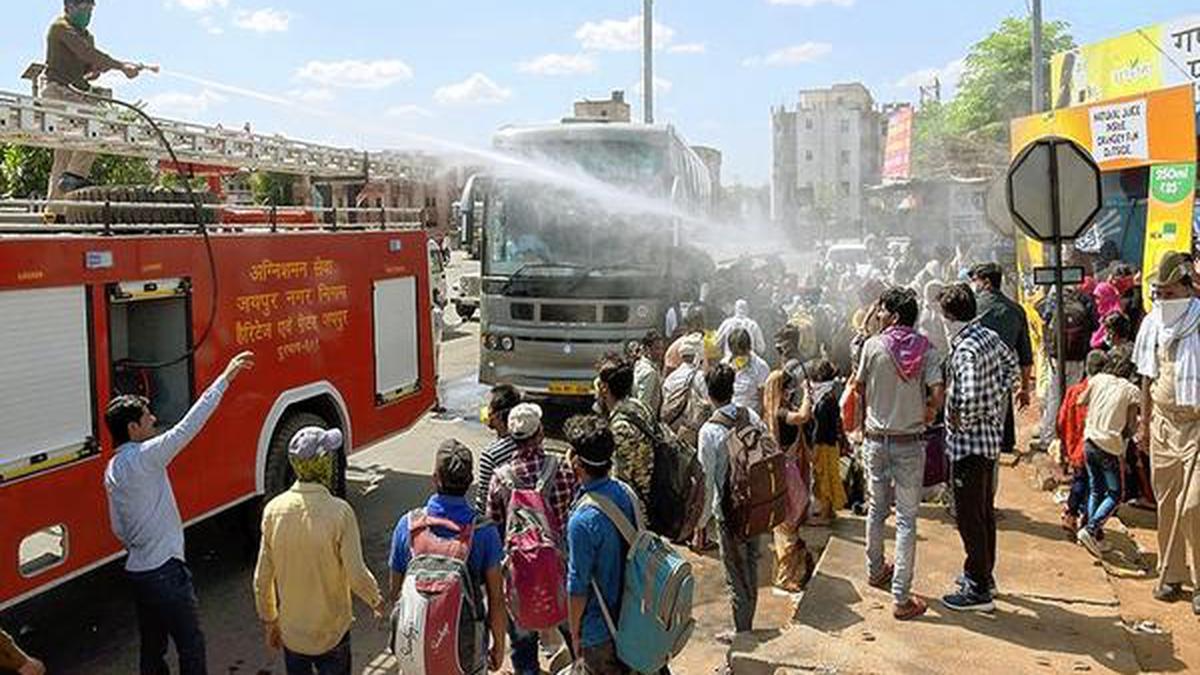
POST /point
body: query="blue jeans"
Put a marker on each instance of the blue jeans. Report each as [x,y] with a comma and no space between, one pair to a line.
[167,608]
[897,473]
[1077,500]
[336,661]
[1104,474]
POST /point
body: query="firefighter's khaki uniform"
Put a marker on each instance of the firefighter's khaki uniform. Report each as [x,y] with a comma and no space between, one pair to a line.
[1174,445]
[71,56]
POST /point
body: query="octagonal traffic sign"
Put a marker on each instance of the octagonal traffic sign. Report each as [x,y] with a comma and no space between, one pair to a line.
[1054,189]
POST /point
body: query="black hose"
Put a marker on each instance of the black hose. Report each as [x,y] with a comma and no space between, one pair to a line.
[198,208]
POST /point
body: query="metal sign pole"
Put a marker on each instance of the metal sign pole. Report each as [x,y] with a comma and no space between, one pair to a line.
[1061,334]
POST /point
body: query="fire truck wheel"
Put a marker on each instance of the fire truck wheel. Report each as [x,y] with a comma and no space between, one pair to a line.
[121,210]
[278,475]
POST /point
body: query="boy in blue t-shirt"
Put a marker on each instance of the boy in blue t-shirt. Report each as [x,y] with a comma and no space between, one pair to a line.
[452,476]
[596,549]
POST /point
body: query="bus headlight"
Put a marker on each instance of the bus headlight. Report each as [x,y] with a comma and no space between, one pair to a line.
[632,347]
[507,344]
[497,343]
[490,342]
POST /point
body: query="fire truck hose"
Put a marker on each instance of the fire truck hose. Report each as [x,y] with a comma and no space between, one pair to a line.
[199,210]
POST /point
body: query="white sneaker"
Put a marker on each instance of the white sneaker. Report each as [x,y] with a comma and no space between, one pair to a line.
[1089,542]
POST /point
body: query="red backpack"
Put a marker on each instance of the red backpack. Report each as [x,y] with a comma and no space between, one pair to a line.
[535,570]
[437,623]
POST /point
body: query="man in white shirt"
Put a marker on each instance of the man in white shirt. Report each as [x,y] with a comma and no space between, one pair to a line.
[145,517]
[741,319]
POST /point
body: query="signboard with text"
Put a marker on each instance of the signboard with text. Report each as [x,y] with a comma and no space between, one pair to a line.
[897,162]
[1149,58]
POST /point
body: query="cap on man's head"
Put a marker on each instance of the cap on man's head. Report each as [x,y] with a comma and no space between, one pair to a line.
[985,270]
[525,421]
[1172,269]
[311,442]
[690,346]
[454,465]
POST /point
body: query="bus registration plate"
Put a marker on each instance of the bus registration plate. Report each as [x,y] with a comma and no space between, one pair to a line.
[571,388]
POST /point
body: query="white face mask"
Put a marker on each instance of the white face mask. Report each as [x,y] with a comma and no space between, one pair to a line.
[1173,310]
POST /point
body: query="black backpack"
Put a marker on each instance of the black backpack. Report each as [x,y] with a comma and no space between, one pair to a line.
[676,499]
[1079,322]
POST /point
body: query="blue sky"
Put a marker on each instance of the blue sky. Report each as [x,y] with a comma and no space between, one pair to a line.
[368,72]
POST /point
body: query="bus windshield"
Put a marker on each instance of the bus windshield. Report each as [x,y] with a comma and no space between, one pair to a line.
[625,163]
[538,231]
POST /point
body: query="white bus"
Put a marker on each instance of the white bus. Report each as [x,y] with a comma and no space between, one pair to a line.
[569,276]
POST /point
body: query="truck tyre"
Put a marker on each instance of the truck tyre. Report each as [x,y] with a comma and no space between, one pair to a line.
[278,475]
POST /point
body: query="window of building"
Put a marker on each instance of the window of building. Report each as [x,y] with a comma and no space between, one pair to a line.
[845,157]
[845,126]
[808,123]
[845,188]
[808,155]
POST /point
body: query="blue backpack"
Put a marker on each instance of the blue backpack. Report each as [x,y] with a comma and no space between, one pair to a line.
[656,603]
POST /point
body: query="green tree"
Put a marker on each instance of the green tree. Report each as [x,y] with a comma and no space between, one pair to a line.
[969,134]
[271,188]
[997,82]
[114,170]
[24,171]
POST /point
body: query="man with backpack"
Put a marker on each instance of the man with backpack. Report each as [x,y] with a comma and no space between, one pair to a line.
[310,562]
[605,523]
[647,372]
[1007,318]
[596,561]
[899,380]
[1079,312]
[739,553]
[685,398]
[529,499]
[427,636]
[634,458]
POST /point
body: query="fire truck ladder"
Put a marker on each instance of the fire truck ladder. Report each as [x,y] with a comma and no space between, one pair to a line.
[51,123]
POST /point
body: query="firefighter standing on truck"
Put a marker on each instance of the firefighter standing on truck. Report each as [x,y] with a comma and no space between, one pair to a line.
[72,62]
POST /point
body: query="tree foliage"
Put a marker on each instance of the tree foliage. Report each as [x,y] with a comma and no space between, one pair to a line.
[969,134]
[25,171]
[272,189]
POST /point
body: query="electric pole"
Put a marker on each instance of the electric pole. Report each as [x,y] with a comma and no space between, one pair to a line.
[648,61]
[1039,74]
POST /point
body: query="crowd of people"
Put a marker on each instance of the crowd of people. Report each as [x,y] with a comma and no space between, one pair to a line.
[708,439]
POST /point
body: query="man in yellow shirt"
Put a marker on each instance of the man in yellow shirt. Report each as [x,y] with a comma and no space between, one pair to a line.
[310,562]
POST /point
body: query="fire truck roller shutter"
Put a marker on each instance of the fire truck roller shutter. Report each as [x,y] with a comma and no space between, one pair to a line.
[397,350]
[45,378]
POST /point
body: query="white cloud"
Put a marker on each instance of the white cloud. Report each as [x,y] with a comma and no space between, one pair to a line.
[314,95]
[201,5]
[559,64]
[613,35]
[355,74]
[210,25]
[949,75]
[408,110]
[791,56]
[182,104]
[688,48]
[478,89]
[265,20]
[812,3]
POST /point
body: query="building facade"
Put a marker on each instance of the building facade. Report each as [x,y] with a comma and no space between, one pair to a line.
[824,153]
[614,109]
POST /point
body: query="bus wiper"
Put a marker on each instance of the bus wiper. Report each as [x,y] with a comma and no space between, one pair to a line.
[605,268]
[528,267]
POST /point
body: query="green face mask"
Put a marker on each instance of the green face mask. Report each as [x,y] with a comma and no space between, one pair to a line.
[80,17]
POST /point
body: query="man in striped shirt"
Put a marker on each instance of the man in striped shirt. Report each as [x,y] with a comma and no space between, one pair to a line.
[505,397]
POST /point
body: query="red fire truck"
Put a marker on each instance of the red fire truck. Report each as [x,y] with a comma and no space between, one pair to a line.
[337,311]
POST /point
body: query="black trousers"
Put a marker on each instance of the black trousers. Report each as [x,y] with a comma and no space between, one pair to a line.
[976,515]
[167,608]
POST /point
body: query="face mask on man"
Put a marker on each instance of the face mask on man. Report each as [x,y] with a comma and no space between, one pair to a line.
[80,16]
[1173,310]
